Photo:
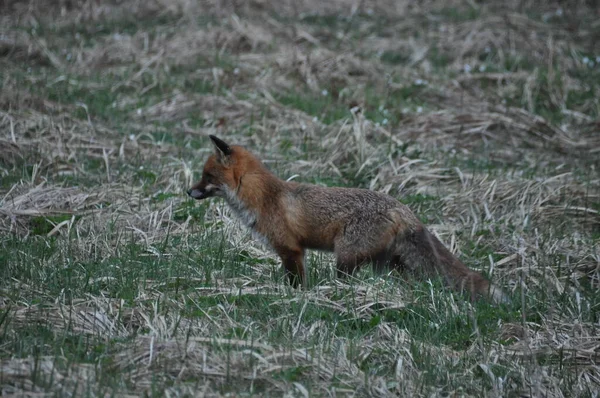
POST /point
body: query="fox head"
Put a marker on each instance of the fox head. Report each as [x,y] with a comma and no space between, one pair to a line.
[219,173]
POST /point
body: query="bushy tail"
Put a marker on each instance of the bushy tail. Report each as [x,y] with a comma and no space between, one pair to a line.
[428,256]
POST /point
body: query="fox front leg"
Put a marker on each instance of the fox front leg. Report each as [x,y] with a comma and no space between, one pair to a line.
[293,264]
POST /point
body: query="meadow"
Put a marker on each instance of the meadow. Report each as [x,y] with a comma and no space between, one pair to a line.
[483,117]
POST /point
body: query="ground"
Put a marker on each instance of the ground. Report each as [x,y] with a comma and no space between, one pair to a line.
[483,117]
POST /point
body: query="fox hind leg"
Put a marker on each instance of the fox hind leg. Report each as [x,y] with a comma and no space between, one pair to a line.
[346,266]
[348,261]
[357,247]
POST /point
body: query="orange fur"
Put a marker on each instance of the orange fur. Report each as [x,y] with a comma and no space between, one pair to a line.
[358,225]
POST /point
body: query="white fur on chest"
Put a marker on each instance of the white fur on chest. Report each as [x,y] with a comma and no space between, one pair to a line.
[248,216]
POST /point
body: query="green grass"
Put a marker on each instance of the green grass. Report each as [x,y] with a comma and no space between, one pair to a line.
[458,15]
[322,106]
[428,323]
[95,96]
[150,293]
[394,57]
[48,267]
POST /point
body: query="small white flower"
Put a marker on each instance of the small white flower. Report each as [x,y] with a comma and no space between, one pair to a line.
[481,68]
[585,60]
[303,127]
[467,68]
[380,108]
[559,12]
[377,124]
[69,56]
[315,119]
[324,93]
[487,49]
[420,109]
[384,121]
[139,111]
[236,71]
[370,11]
[141,167]
[385,112]
[598,59]
[131,137]
[419,82]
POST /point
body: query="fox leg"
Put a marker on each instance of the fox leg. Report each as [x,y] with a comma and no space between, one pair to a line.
[293,263]
[353,250]
[383,262]
[344,269]
[347,264]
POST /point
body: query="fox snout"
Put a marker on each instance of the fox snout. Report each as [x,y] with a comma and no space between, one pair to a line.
[203,190]
[198,194]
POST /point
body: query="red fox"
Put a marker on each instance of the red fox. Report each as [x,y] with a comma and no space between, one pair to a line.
[358,225]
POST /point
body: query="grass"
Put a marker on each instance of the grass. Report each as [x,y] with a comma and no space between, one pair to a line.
[322,106]
[113,282]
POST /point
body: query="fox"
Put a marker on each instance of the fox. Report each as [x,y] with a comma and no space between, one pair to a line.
[358,225]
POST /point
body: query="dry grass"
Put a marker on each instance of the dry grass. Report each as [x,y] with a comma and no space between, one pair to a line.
[483,118]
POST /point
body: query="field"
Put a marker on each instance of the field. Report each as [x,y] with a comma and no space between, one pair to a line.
[483,117]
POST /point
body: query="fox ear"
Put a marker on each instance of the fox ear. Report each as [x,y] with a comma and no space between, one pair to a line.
[222,149]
